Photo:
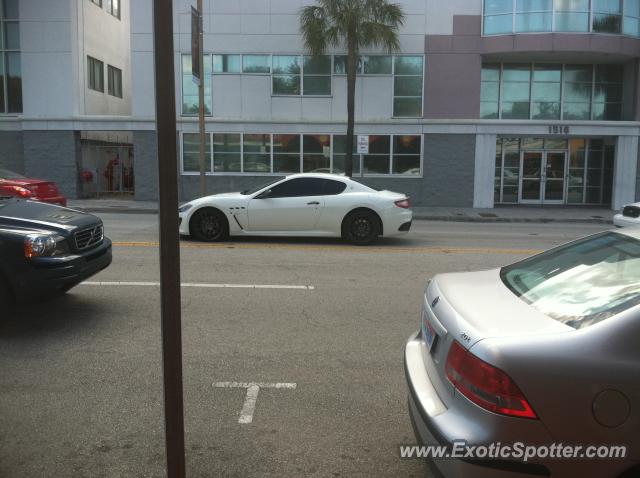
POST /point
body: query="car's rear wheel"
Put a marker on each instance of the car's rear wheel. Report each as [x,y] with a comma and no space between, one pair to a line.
[361,227]
[209,225]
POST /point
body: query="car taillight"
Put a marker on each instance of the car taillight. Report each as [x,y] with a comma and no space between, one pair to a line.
[485,385]
[22,192]
[403,203]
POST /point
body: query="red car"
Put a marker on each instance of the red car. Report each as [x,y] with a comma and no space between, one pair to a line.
[13,184]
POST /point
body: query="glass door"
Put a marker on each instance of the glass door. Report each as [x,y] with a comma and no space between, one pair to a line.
[531,177]
[543,177]
[554,177]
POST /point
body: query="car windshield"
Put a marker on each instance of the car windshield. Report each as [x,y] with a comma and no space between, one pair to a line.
[6,174]
[248,192]
[582,283]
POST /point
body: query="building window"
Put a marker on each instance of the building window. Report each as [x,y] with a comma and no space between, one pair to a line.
[545,92]
[572,15]
[114,81]
[256,153]
[631,18]
[516,81]
[490,92]
[263,153]
[407,86]
[406,155]
[376,65]
[599,16]
[10,60]
[96,74]
[316,78]
[551,91]
[607,16]
[227,153]
[533,16]
[256,64]
[607,93]
[367,65]
[227,63]
[286,75]
[191,152]
[286,153]
[113,7]
[577,90]
[316,153]
[378,161]
[190,99]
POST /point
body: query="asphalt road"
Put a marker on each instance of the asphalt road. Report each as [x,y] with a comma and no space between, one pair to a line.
[81,381]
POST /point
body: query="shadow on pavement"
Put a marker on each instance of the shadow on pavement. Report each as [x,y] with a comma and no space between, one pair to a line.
[68,313]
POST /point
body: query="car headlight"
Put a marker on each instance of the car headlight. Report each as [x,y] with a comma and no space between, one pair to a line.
[45,245]
[185,207]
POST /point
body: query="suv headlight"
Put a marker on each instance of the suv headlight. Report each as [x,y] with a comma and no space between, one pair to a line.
[185,207]
[45,245]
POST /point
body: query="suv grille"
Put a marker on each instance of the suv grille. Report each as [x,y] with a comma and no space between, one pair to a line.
[631,211]
[89,237]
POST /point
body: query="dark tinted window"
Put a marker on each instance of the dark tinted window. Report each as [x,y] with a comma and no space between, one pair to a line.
[298,187]
[331,188]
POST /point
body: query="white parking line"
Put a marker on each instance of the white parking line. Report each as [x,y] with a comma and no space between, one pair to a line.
[201,285]
[253,389]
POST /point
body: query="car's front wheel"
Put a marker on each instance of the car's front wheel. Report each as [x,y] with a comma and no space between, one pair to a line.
[209,225]
[361,227]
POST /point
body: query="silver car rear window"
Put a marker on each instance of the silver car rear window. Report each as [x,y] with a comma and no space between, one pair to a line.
[581,283]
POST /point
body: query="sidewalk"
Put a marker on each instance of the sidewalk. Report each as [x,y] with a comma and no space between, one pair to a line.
[593,215]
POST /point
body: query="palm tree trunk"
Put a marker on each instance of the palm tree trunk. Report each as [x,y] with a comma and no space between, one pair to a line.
[352,64]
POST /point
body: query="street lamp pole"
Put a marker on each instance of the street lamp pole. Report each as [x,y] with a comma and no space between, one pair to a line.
[169,239]
[203,78]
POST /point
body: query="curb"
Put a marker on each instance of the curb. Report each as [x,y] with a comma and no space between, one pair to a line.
[486,220]
[541,220]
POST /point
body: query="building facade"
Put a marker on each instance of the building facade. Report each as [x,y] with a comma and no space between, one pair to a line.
[488,102]
[65,85]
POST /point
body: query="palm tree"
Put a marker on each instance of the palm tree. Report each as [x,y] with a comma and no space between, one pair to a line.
[353,24]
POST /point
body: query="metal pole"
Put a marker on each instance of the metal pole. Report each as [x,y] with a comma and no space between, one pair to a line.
[203,74]
[169,240]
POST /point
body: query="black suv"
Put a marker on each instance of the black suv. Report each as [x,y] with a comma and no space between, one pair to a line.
[46,250]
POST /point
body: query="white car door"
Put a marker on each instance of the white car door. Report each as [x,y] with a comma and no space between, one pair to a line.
[291,206]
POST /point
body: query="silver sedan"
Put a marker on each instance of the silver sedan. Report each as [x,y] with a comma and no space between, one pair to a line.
[542,353]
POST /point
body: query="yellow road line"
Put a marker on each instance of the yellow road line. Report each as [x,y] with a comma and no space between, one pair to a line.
[341,248]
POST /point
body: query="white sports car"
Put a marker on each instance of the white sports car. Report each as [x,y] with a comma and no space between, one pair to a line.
[316,205]
[628,216]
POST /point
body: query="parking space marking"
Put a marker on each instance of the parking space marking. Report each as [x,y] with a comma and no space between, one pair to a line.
[253,389]
[200,285]
[344,248]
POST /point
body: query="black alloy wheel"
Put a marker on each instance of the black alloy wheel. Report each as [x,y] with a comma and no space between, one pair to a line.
[361,228]
[209,225]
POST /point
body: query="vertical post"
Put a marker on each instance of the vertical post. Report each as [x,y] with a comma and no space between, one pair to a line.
[203,78]
[169,240]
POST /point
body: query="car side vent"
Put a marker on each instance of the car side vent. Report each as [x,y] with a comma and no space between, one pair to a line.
[89,237]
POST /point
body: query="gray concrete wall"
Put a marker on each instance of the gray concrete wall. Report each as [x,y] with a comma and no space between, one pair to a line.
[449,168]
[145,165]
[54,155]
[11,151]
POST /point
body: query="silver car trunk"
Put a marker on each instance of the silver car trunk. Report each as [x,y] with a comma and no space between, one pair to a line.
[469,307]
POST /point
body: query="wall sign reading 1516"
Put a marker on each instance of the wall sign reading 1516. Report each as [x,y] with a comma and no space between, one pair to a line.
[559,129]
